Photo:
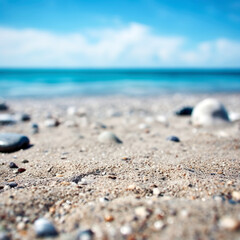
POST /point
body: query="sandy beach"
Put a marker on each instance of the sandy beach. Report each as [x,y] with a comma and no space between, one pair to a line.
[144,188]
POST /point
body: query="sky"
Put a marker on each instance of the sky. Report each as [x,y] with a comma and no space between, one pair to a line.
[126,33]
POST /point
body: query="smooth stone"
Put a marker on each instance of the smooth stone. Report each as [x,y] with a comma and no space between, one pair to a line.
[184,111]
[173,139]
[44,228]
[11,142]
[12,184]
[13,165]
[51,122]
[108,137]
[85,235]
[35,128]
[209,112]
[6,119]
[3,106]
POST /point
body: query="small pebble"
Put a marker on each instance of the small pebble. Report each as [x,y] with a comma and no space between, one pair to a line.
[126,230]
[21,170]
[236,195]
[13,165]
[44,228]
[173,139]
[25,161]
[85,235]
[229,223]
[158,225]
[51,122]
[35,128]
[108,137]
[12,184]
[184,111]
[3,106]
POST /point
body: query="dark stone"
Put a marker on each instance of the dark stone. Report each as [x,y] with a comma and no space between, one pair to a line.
[35,128]
[85,235]
[11,142]
[3,107]
[12,184]
[13,165]
[184,111]
[21,170]
[173,139]
[25,161]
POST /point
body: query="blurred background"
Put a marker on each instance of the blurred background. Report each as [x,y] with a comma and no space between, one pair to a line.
[145,47]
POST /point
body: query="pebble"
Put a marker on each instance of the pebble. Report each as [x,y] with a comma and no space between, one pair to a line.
[229,223]
[85,235]
[11,142]
[13,165]
[142,212]
[209,112]
[21,170]
[173,139]
[25,161]
[162,119]
[44,228]
[158,225]
[236,195]
[126,230]
[51,122]
[7,119]
[108,137]
[12,184]
[35,128]
[184,111]
[3,106]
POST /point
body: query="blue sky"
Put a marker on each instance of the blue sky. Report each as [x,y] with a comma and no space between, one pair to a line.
[144,33]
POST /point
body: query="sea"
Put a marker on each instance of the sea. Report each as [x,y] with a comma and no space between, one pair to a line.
[48,83]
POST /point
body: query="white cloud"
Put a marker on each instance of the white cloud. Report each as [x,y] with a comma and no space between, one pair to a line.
[132,46]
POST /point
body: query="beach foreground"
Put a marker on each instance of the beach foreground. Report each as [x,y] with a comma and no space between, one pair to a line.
[143,188]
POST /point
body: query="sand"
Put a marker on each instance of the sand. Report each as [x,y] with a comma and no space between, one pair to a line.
[145,188]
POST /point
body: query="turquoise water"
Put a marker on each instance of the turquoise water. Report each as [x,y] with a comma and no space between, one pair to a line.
[131,82]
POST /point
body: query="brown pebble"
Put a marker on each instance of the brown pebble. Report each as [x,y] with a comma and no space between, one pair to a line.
[21,170]
[108,218]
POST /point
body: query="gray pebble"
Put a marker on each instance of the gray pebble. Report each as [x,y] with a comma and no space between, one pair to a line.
[11,142]
[108,137]
[85,235]
[44,228]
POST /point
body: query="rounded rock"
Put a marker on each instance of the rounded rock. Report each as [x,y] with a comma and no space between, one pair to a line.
[11,142]
[173,139]
[44,228]
[85,235]
[209,112]
[108,137]
[184,111]
[13,165]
